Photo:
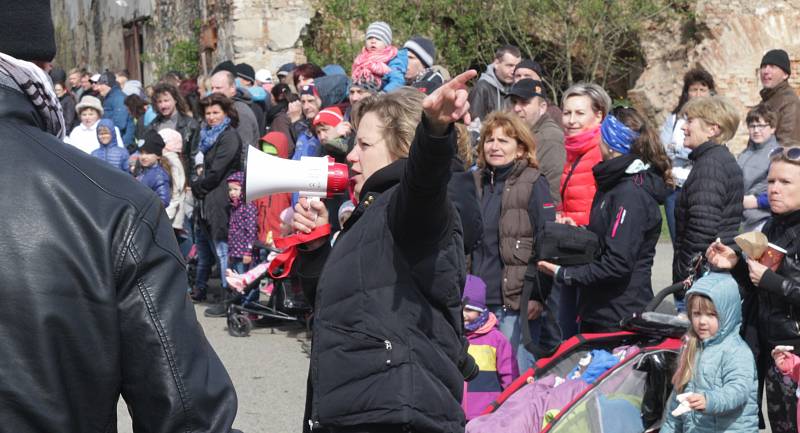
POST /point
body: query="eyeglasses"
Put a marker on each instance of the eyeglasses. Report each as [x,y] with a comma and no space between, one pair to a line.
[757,126]
[790,153]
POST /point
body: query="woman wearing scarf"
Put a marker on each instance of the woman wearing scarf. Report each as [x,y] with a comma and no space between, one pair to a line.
[632,181]
[585,106]
[221,149]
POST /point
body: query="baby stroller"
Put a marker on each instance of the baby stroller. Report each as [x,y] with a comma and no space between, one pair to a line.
[628,397]
[286,303]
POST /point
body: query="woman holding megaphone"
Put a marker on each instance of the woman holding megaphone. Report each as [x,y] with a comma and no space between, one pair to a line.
[388,352]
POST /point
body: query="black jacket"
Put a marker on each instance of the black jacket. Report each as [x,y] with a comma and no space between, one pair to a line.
[222,160]
[94,301]
[626,218]
[388,337]
[777,297]
[709,205]
[461,189]
[190,133]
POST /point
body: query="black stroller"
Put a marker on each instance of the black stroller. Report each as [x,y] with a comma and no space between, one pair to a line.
[285,304]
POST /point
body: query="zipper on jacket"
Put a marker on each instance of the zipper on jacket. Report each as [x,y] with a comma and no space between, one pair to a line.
[491,180]
[388,344]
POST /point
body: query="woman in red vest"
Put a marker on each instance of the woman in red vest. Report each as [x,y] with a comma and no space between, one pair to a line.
[585,105]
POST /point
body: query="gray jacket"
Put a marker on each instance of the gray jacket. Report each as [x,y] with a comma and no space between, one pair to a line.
[754,162]
[488,95]
[550,152]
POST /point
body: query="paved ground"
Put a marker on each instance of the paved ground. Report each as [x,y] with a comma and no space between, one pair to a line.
[269,367]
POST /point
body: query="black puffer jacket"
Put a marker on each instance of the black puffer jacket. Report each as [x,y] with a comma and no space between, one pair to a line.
[461,189]
[709,206]
[222,160]
[778,293]
[94,301]
[626,217]
[388,337]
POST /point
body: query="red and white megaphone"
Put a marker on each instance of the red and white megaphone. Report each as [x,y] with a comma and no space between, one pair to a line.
[310,176]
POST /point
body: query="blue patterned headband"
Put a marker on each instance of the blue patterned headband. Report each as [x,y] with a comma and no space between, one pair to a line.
[616,135]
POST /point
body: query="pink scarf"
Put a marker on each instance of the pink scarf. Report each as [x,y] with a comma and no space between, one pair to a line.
[373,65]
[579,143]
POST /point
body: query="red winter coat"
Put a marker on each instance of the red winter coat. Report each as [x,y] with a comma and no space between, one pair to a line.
[271,206]
[577,196]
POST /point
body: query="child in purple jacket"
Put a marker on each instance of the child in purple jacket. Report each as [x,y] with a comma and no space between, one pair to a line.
[490,349]
[242,226]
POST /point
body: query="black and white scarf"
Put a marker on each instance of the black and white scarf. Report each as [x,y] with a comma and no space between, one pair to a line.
[36,85]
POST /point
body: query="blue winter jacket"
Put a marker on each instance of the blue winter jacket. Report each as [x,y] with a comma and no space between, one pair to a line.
[307,145]
[725,370]
[396,78]
[114,108]
[111,152]
[157,179]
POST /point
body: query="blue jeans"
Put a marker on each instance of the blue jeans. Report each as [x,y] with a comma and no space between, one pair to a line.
[207,252]
[236,264]
[669,211]
[510,325]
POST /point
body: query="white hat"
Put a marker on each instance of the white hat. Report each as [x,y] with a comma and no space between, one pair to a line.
[264,76]
[95,78]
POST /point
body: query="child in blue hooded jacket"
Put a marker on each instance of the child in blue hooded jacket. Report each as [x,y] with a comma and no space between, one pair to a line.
[109,150]
[716,374]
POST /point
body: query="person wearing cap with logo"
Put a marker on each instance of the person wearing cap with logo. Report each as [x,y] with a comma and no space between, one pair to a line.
[92,255]
[310,103]
[632,181]
[775,289]
[379,59]
[779,97]
[531,69]
[530,104]
[114,106]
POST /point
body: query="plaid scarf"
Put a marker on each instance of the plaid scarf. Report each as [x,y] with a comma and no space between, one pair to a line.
[36,85]
[373,65]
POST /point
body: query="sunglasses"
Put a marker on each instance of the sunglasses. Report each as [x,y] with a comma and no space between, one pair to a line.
[790,153]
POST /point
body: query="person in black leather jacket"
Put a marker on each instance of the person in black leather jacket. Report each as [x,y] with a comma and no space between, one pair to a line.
[94,302]
[771,297]
[388,352]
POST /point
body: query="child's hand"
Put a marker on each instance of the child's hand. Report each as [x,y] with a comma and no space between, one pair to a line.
[696,401]
[781,354]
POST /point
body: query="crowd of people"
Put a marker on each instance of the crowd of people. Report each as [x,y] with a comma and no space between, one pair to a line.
[435,271]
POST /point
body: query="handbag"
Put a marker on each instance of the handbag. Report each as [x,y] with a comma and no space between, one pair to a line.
[564,244]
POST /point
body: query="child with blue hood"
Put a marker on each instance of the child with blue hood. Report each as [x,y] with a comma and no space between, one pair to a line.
[109,150]
[715,385]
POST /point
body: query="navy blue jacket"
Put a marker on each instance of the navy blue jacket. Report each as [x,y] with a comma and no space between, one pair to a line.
[114,108]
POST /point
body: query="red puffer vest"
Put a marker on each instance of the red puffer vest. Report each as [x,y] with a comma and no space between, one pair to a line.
[578,193]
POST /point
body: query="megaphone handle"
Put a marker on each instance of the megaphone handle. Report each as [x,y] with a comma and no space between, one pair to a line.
[311,200]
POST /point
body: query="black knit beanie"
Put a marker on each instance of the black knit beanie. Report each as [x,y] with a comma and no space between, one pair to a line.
[243,70]
[778,58]
[26,30]
[226,65]
[153,143]
[423,48]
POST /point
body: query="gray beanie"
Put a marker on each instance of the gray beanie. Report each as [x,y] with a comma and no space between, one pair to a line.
[422,48]
[381,31]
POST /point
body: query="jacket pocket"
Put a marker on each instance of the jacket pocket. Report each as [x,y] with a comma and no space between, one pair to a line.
[349,361]
[523,248]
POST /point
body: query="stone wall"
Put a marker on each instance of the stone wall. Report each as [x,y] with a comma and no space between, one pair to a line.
[264,33]
[727,39]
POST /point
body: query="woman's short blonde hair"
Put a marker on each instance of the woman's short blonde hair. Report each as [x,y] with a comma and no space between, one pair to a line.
[714,110]
[601,102]
[513,127]
[399,111]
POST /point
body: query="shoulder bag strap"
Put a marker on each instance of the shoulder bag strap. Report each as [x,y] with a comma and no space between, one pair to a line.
[569,175]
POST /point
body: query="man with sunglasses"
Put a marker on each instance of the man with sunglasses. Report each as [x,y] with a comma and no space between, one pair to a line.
[779,96]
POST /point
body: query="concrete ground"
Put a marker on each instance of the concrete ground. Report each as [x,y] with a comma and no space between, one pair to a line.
[269,367]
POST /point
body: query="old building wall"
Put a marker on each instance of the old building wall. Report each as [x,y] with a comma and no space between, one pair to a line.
[728,41]
[264,33]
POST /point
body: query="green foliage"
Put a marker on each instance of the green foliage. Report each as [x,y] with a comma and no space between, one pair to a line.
[183,56]
[577,40]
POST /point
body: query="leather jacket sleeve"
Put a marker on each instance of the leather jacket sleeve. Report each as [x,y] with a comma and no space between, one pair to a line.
[781,286]
[172,380]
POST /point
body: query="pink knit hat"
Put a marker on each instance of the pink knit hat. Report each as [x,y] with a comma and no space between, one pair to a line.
[172,139]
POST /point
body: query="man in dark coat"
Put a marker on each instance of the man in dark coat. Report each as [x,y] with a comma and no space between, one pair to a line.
[491,91]
[780,97]
[93,285]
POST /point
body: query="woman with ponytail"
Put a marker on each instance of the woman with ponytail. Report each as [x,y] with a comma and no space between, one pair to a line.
[714,386]
[632,181]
